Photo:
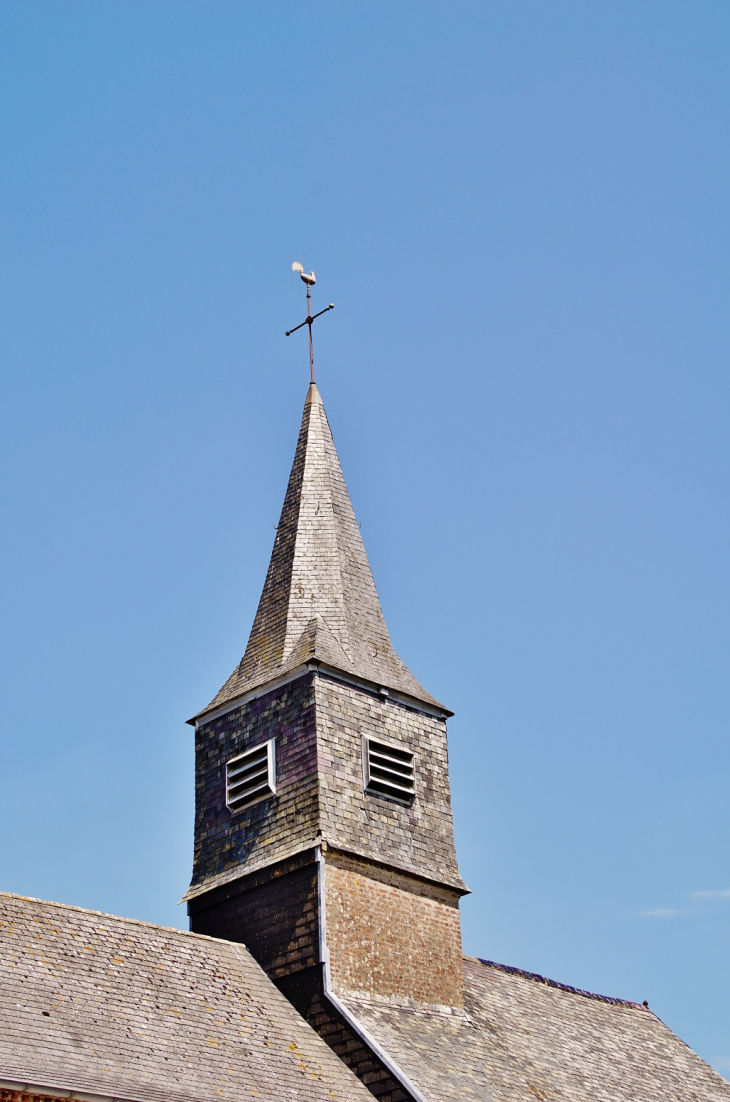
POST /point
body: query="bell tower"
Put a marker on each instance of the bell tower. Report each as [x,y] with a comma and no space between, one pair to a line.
[323,827]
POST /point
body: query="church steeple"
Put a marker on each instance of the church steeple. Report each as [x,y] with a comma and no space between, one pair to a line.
[323,830]
[319,601]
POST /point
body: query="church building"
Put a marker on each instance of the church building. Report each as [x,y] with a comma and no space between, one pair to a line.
[324,957]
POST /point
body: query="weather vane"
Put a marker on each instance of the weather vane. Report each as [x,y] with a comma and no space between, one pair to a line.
[309,281]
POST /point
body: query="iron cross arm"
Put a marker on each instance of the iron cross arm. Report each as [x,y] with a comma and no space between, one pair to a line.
[308,321]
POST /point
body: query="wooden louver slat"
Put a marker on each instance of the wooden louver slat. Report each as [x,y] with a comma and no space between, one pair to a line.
[250,776]
[389,770]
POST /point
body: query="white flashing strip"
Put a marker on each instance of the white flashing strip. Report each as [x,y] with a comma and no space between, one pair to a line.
[252,694]
[60,1092]
[411,702]
[367,1037]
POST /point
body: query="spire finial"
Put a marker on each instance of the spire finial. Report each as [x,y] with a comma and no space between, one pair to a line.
[309,281]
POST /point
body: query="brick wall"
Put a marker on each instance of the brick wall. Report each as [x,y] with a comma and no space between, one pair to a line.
[21,1096]
[390,935]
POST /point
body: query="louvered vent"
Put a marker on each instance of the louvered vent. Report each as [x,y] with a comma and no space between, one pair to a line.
[389,770]
[251,776]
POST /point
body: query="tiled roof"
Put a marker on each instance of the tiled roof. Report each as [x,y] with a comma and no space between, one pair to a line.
[537,978]
[109,1006]
[319,600]
[523,1038]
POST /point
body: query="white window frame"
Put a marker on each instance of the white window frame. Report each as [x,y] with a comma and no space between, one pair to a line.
[404,797]
[269,788]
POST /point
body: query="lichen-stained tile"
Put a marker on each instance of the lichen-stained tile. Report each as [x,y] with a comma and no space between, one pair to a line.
[104,1005]
[522,1038]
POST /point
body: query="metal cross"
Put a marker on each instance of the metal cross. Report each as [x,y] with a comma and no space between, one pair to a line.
[309,281]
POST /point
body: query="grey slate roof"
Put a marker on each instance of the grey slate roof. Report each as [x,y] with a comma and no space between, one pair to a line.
[114,1007]
[525,1039]
[319,600]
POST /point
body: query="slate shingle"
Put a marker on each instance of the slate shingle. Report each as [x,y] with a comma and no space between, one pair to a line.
[523,1039]
[111,1006]
[319,599]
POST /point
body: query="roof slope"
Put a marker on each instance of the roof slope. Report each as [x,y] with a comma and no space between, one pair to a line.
[105,1005]
[523,1039]
[319,599]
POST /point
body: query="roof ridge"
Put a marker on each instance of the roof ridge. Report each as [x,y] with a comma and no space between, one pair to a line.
[119,918]
[537,978]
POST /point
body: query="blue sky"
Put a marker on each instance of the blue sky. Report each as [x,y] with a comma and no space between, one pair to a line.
[521,213]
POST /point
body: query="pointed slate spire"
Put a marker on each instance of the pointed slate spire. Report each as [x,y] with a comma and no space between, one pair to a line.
[319,600]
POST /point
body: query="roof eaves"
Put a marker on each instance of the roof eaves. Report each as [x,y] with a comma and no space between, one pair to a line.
[210,713]
[57,1090]
[454,884]
[430,707]
[219,880]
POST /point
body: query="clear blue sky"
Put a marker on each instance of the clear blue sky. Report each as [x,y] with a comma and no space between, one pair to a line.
[521,213]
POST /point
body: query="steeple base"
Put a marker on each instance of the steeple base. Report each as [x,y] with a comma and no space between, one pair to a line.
[277,913]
